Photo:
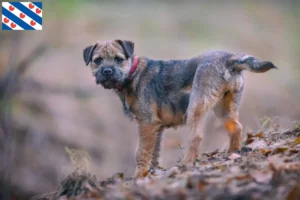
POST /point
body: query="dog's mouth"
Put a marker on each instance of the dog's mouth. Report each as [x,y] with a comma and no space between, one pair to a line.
[109,83]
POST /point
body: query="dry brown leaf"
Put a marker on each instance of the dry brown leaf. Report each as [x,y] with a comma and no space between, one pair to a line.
[214,153]
[279,150]
[242,177]
[265,152]
[249,139]
[297,141]
[293,151]
[259,135]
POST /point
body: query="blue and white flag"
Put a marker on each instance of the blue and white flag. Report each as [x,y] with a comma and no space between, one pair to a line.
[22,16]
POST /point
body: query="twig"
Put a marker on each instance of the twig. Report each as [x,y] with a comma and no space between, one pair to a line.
[42,195]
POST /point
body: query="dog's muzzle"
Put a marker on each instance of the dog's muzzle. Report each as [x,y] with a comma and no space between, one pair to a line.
[105,74]
[107,77]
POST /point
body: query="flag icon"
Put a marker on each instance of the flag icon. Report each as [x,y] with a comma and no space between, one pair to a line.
[22,16]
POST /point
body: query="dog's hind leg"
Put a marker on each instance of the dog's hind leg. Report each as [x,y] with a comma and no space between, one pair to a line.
[202,99]
[227,111]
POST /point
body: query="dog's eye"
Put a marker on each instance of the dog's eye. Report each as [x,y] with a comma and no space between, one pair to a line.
[240,62]
[98,61]
[119,60]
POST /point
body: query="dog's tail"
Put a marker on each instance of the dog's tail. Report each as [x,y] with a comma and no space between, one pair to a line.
[250,63]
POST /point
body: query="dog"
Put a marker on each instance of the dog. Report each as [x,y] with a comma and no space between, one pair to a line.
[161,94]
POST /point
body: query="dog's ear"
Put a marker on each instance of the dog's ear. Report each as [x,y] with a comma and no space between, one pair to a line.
[128,47]
[88,53]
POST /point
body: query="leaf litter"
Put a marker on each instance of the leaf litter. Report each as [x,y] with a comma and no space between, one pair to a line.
[267,167]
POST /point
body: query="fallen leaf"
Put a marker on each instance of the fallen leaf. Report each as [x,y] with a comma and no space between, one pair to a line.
[258,144]
[234,156]
[263,151]
[249,139]
[242,177]
[214,152]
[266,152]
[293,151]
[259,135]
[262,176]
[279,150]
[297,141]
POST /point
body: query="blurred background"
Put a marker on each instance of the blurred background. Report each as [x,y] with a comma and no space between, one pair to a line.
[52,113]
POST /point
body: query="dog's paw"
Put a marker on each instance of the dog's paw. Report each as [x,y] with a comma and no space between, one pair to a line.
[140,174]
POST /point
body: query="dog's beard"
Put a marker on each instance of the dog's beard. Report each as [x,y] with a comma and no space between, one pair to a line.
[110,82]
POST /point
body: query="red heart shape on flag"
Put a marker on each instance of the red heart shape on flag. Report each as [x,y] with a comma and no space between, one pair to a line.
[6,20]
[22,15]
[31,6]
[38,11]
[13,25]
[11,8]
[32,23]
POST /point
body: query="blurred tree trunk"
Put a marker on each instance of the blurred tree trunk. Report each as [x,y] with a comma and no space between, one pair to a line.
[9,81]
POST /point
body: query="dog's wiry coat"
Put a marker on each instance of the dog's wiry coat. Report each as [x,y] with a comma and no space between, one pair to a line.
[164,94]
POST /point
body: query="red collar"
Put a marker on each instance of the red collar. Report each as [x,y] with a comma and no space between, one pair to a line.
[134,66]
[132,70]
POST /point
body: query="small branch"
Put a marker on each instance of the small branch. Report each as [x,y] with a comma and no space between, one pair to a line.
[42,196]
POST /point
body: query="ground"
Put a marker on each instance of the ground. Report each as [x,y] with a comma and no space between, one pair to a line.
[267,167]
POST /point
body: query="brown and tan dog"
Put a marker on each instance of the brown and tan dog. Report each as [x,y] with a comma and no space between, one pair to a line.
[160,94]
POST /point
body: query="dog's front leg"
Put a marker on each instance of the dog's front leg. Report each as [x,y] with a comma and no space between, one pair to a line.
[148,134]
[156,151]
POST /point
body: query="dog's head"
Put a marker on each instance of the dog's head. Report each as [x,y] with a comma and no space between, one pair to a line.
[110,61]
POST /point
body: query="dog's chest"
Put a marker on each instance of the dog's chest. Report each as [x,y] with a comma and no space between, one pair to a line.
[130,108]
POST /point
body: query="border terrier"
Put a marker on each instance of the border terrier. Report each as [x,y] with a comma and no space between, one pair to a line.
[161,94]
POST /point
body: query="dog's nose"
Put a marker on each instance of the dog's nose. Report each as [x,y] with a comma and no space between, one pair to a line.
[107,71]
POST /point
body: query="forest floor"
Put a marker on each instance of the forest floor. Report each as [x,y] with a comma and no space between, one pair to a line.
[267,167]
